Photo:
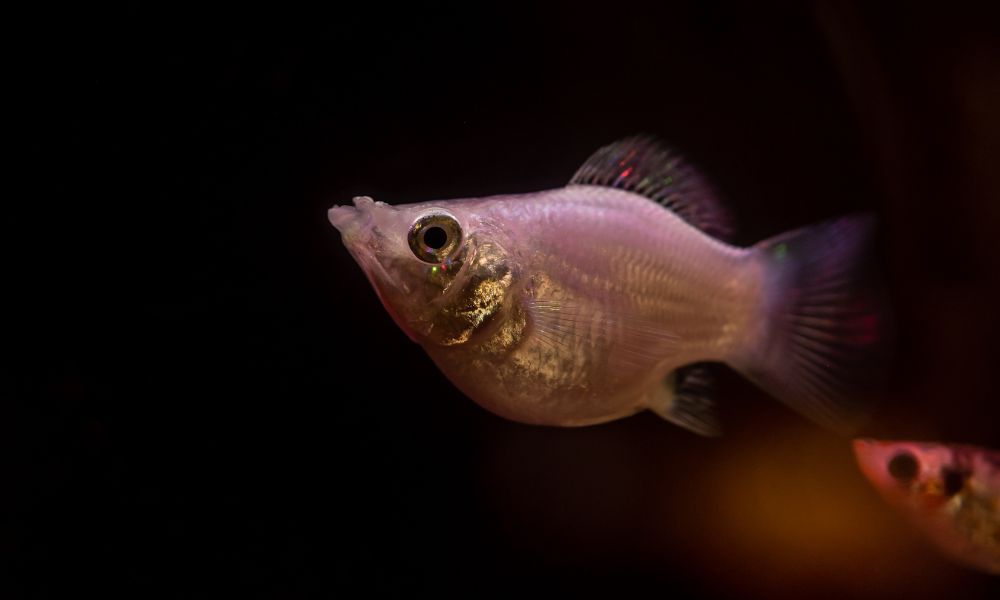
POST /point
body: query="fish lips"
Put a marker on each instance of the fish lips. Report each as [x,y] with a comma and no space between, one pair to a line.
[351,221]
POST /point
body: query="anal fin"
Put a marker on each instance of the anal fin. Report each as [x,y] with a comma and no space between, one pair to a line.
[685,398]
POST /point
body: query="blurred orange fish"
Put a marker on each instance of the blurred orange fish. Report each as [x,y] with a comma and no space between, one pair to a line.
[950,491]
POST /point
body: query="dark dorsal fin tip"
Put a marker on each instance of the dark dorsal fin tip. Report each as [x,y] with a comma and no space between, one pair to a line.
[642,165]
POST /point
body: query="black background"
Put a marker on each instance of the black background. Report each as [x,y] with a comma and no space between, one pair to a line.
[204,397]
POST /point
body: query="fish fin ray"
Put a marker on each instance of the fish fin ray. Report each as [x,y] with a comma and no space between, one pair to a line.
[827,367]
[685,399]
[641,165]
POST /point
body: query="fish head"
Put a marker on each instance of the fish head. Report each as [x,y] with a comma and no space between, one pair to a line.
[917,477]
[441,269]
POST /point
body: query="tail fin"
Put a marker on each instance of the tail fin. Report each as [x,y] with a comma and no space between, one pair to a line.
[825,322]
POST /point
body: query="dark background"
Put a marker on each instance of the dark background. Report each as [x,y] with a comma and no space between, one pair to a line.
[203,397]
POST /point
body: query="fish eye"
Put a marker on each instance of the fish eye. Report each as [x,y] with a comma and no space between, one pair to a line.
[903,467]
[952,481]
[435,237]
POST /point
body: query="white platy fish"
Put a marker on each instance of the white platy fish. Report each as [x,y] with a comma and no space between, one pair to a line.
[594,301]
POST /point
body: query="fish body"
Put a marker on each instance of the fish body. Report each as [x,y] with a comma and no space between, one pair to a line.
[601,311]
[590,302]
[950,492]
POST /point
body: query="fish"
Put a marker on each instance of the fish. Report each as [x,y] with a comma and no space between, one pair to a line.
[950,492]
[619,293]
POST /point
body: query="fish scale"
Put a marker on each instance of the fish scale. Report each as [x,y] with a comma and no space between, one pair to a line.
[656,275]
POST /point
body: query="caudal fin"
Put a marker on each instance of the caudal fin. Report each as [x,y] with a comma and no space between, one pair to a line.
[825,320]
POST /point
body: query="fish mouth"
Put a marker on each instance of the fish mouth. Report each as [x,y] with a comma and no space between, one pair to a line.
[351,220]
[867,459]
[354,225]
[362,240]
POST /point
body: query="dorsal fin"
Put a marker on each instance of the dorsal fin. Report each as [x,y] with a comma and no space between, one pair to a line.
[639,164]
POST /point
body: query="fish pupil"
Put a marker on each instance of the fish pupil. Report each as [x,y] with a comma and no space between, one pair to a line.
[435,237]
[952,481]
[903,467]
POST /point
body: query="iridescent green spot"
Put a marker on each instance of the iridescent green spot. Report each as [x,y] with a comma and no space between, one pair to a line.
[780,251]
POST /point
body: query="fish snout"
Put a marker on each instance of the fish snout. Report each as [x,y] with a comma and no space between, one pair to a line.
[350,220]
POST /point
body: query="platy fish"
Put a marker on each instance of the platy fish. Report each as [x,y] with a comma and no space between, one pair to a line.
[593,301]
[950,492]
